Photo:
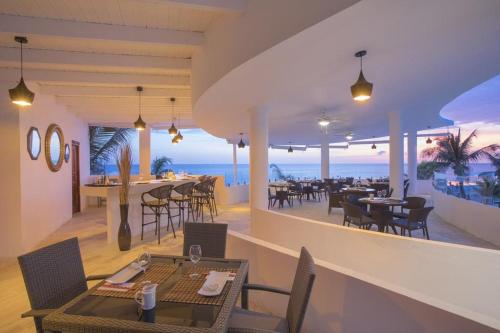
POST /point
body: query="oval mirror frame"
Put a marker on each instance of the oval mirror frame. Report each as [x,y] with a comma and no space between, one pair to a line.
[66,153]
[34,154]
[53,128]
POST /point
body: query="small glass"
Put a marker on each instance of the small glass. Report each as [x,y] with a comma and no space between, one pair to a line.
[144,260]
[194,256]
[379,194]
[384,193]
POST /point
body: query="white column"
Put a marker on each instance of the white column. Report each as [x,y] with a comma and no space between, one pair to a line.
[145,153]
[396,154]
[325,157]
[235,165]
[411,151]
[258,141]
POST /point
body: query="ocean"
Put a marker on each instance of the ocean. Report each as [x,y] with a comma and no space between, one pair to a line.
[356,170]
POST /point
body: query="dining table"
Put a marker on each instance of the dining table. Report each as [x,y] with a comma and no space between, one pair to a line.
[179,306]
[385,206]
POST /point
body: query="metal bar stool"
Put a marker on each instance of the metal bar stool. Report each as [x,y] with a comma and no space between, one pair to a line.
[212,194]
[183,201]
[158,205]
[202,198]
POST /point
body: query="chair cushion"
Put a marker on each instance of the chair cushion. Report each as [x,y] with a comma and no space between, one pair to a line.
[404,223]
[243,320]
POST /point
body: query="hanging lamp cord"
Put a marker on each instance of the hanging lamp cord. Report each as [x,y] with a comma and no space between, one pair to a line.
[21,60]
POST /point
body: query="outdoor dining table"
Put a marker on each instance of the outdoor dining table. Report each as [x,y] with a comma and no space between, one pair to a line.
[179,308]
[357,190]
[280,186]
[383,204]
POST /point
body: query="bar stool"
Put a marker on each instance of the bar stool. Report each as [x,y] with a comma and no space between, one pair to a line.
[212,194]
[158,206]
[184,201]
[202,198]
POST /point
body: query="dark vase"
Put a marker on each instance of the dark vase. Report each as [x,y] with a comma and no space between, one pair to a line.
[124,235]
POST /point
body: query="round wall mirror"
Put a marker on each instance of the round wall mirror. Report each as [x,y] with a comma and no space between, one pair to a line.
[54,147]
[34,143]
[66,153]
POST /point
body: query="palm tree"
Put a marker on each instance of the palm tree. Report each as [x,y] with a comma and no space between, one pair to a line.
[279,173]
[104,143]
[495,160]
[452,152]
[159,164]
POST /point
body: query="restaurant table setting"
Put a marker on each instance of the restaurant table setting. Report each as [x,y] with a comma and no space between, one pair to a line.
[157,293]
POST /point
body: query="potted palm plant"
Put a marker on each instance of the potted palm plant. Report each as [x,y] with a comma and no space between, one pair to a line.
[159,165]
[124,165]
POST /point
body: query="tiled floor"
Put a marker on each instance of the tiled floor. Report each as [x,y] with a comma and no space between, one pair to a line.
[439,230]
[100,257]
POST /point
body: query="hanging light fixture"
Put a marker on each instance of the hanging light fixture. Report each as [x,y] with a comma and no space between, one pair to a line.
[362,89]
[178,138]
[373,145]
[21,95]
[241,144]
[172,130]
[429,140]
[290,149]
[139,124]
[349,136]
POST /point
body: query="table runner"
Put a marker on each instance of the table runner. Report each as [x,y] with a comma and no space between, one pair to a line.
[186,289]
[156,273]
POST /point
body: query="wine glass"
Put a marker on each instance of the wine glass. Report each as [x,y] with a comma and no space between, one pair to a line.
[384,193]
[379,194]
[194,256]
[144,260]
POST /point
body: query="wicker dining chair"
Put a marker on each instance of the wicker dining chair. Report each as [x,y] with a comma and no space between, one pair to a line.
[201,197]
[411,203]
[53,276]
[417,219]
[354,214]
[244,320]
[210,236]
[183,201]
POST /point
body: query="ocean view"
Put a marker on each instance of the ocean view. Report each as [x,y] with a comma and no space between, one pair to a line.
[296,170]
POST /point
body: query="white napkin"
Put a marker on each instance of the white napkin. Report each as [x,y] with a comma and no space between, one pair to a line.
[215,282]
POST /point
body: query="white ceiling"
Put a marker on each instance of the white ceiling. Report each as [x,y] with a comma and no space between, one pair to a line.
[91,54]
[421,55]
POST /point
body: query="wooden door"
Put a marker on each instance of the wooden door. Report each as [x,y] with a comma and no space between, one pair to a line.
[75,175]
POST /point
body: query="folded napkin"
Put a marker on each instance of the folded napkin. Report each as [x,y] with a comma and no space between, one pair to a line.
[117,286]
[215,282]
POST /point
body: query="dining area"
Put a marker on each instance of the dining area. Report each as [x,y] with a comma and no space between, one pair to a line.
[198,289]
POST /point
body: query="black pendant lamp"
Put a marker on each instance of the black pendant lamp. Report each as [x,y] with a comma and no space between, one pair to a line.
[362,89]
[373,145]
[241,144]
[429,140]
[21,95]
[172,130]
[178,138]
[139,124]
[290,149]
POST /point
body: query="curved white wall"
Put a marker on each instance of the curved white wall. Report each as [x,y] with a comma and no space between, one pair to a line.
[232,40]
[480,220]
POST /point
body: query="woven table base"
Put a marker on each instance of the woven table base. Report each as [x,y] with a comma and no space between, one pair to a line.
[186,289]
[157,273]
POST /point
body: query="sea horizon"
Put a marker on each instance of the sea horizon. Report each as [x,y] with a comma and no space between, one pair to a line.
[296,170]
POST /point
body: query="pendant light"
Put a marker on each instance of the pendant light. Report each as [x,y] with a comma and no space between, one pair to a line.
[172,130]
[21,95]
[241,144]
[362,89]
[139,124]
[349,136]
[373,145]
[178,138]
[429,140]
[290,149]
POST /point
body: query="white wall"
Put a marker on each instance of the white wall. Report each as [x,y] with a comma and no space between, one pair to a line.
[480,220]
[46,197]
[233,194]
[448,276]
[339,302]
[10,191]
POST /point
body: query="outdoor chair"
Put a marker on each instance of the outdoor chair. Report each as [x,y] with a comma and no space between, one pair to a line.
[212,182]
[389,193]
[210,236]
[183,201]
[417,219]
[334,200]
[244,320]
[349,181]
[412,203]
[281,197]
[271,198]
[53,276]
[406,188]
[156,201]
[295,191]
[355,215]
[202,198]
